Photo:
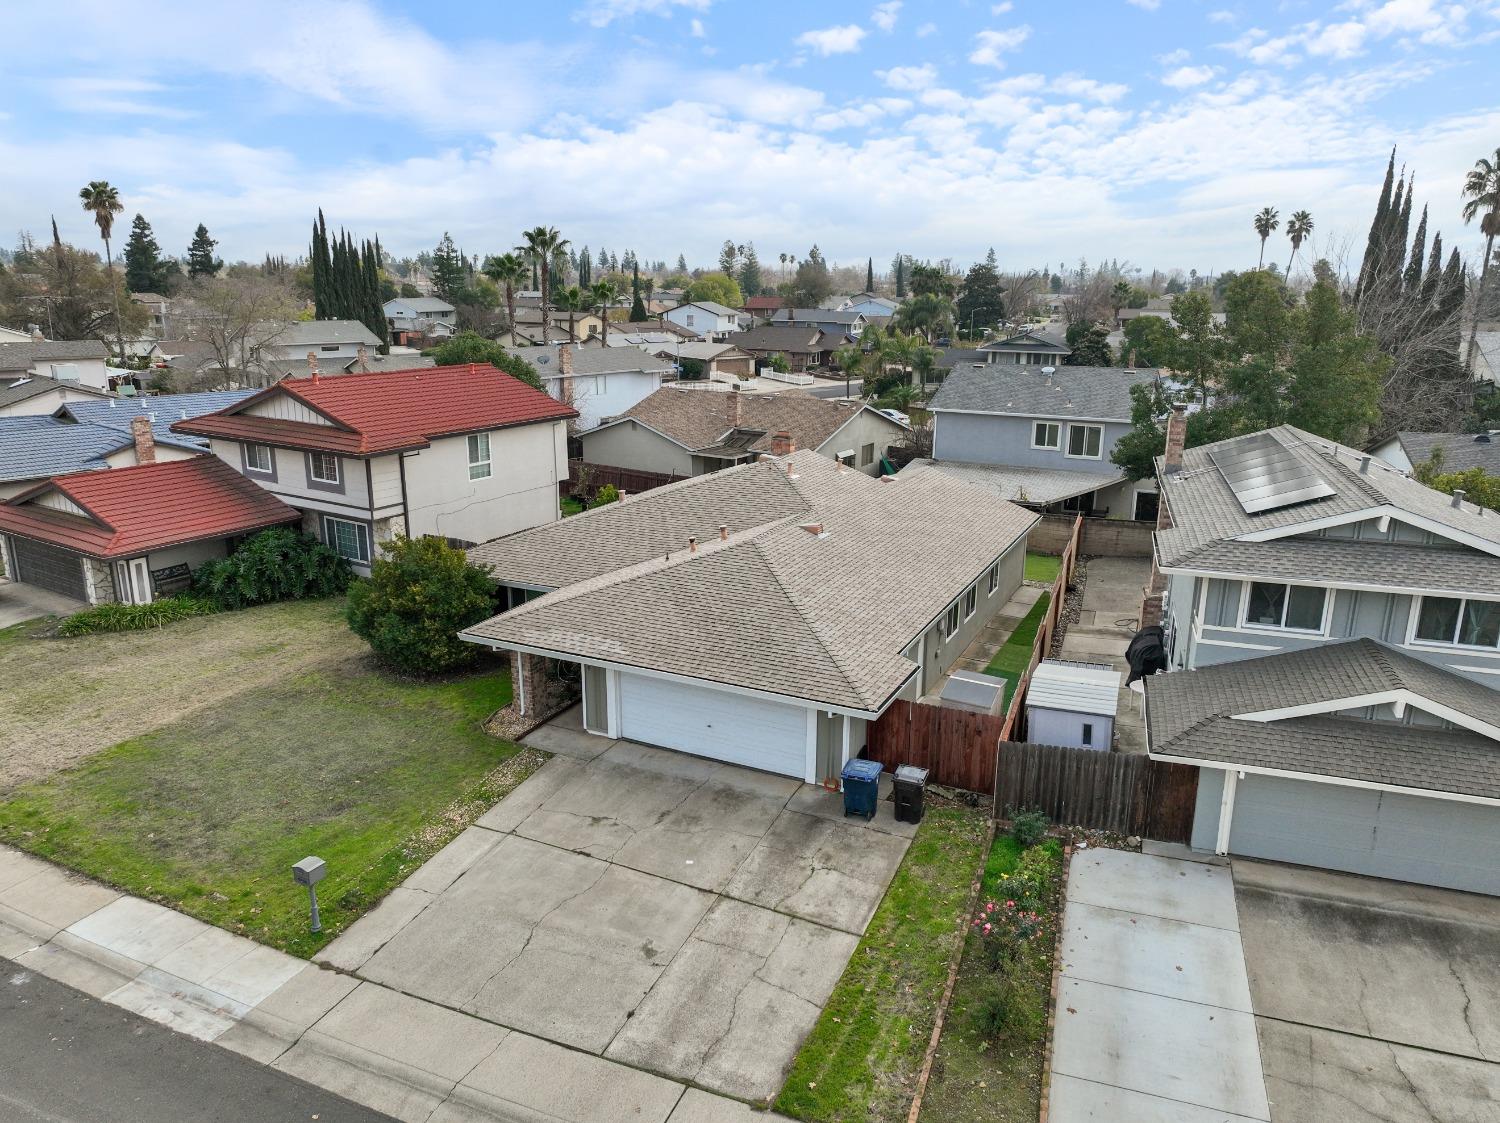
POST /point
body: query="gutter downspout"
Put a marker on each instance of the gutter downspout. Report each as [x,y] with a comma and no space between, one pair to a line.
[1226,811]
[405,507]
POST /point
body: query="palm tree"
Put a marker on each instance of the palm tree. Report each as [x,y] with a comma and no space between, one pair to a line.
[899,350]
[603,293]
[542,243]
[1482,188]
[103,202]
[572,301]
[1265,225]
[1119,296]
[1298,227]
[508,271]
[851,360]
[929,315]
[924,364]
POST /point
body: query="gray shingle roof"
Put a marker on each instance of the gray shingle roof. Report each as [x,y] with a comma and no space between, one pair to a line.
[784,337]
[1209,526]
[1461,451]
[20,356]
[164,409]
[817,315]
[420,304]
[714,307]
[306,333]
[1190,714]
[1009,388]
[593,360]
[1036,486]
[759,610]
[1032,340]
[24,389]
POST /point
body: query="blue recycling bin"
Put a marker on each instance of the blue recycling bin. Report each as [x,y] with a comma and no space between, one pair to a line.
[861,780]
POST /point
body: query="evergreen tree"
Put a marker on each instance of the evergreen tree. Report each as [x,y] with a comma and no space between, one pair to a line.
[900,277]
[989,259]
[728,257]
[322,268]
[1411,281]
[144,269]
[585,268]
[603,261]
[637,306]
[750,282]
[869,274]
[447,269]
[682,263]
[981,300]
[200,255]
[614,264]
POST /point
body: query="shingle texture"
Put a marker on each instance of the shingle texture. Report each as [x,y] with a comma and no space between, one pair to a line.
[767,609]
[1209,526]
[592,360]
[1009,388]
[27,388]
[1028,485]
[20,356]
[1461,451]
[148,507]
[1191,714]
[794,338]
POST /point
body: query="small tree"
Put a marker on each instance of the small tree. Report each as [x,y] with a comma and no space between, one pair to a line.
[606,495]
[471,347]
[421,593]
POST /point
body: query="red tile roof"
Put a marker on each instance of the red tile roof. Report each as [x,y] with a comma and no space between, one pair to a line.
[147,507]
[387,411]
[767,303]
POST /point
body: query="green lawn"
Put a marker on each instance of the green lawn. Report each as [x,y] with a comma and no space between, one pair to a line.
[861,1060]
[1043,567]
[1014,657]
[208,812]
[571,506]
[980,1075]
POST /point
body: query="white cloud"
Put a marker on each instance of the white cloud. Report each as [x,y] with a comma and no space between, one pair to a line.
[1222,16]
[1186,77]
[861,115]
[1075,85]
[884,15]
[1175,58]
[841,40]
[1001,8]
[927,29]
[696,29]
[601,13]
[1146,5]
[908,77]
[991,44]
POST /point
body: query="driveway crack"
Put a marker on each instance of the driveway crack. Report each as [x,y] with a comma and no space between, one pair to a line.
[531,935]
[1468,1008]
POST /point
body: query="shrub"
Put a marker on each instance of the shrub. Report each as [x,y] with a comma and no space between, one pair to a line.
[609,493]
[274,565]
[1028,826]
[471,347]
[420,595]
[1008,1010]
[134,617]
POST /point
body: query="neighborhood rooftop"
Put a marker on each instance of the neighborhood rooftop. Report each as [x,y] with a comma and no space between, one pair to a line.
[698,419]
[365,414]
[1085,393]
[1459,451]
[24,389]
[757,607]
[20,356]
[1035,486]
[591,360]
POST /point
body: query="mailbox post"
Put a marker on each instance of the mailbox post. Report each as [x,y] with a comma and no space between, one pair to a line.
[309,872]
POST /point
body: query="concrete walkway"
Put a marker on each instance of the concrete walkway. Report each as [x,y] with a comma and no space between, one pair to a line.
[991,638]
[1153,1013]
[1106,621]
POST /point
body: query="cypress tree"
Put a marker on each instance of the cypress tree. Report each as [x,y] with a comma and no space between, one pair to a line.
[1412,281]
[869,274]
[1375,242]
[637,306]
[585,268]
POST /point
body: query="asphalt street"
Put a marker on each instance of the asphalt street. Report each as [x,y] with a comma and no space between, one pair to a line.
[832,391]
[69,1058]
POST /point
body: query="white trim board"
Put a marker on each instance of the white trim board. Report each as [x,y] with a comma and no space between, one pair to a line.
[1399,698]
[1315,778]
[1383,512]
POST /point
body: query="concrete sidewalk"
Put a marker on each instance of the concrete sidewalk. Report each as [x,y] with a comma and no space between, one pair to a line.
[1106,621]
[1154,1019]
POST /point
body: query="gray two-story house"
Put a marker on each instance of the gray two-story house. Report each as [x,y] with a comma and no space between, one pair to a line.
[1034,347]
[1333,632]
[1042,436]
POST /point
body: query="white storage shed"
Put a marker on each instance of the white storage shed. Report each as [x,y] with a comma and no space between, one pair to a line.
[1072,704]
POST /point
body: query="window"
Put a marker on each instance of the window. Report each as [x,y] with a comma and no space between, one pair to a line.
[1466,623]
[689,319]
[1297,608]
[1085,441]
[971,601]
[330,347]
[994,580]
[479,456]
[950,621]
[866,455]
[258,458]
[1088,733]
[1046,434]
[349,540]
[323,468]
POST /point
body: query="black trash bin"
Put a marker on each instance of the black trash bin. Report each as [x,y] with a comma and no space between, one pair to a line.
[911,788]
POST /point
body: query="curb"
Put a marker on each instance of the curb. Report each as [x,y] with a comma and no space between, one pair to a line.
[1057,965]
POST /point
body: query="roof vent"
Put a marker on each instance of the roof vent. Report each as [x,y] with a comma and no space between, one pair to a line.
[1458,499]
[1364,465]
[815,529]
[1049,371]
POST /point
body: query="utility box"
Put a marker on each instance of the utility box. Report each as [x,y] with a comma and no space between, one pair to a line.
[1072,704]
[861,780]
[911,793]
[974,691]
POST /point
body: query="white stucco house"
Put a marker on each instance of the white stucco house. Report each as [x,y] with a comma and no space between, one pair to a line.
[707,319]
[598,382]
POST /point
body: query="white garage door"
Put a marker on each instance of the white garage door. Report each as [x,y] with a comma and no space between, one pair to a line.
[1383,834]
[714,723]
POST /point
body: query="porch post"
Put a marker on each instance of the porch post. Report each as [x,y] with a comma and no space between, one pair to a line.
[1226,811]
[518,678]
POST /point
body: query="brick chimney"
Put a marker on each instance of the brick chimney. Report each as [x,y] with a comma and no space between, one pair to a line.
[782,444]
[1176,437]
[734,407]
[564,358]
[312,364]
[145,441]
[364,359]
[36,334]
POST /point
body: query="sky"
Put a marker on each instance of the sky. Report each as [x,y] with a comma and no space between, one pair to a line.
[1148,131]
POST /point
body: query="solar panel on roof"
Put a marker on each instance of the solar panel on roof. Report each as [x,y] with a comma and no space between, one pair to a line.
[1266,475]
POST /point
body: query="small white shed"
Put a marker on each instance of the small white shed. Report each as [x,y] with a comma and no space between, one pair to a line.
[1072,704]
[974,691]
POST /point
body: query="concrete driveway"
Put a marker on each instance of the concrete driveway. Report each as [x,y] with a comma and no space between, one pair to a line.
[669,913]
[19,603]
[1153,1007]
[1374,1000]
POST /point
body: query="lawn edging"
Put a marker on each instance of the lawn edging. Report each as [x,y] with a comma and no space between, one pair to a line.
[1057,965]
[954,961]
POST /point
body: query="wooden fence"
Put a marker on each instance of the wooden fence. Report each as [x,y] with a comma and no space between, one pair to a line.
[589,478]
[1015,714]
[955,746]
[1105,791]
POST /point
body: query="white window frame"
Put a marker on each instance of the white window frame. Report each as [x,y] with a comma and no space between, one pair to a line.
[1056,427]
[481,467]
[312,468]
[252,447]
[994,579]
[1415,616]
[1282,629]
[1085,426]
[866,454]
[950,620]
[971,601]
[361,538]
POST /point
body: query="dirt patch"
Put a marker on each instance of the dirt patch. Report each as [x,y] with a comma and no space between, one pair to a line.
[66,699]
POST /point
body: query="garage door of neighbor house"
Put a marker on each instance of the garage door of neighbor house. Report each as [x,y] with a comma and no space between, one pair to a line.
[1382,834]
[714,723]
[49,567]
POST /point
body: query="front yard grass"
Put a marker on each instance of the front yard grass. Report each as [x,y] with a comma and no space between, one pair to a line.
[1014,656]
[861,1060]
[571,506]
[208,812]
[984,1072]
[1043,567]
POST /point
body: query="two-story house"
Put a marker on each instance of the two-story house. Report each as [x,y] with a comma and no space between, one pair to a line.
[461,452]
[869,304]
[849,322]
[598,382]
[1029,347]
[281,348]
[1333,630]
[428,316]
[1041,436]
[77,362]
[708,320]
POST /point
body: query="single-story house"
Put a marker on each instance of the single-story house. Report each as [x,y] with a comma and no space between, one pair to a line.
[685,430]
[78,362]
[760,308]
[1352,756]
[598,382]
[834,321]
[1458,451]
[528,326]
[38,396]
[703,619]
[1030,347]
[34,449]
[716,358]
[802,346]
[132,534]
[458,452]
